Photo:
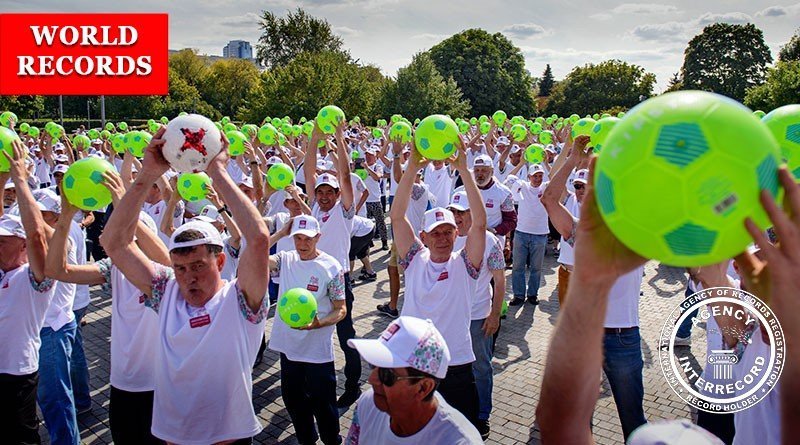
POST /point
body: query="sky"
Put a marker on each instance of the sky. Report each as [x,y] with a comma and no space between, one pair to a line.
[387,33]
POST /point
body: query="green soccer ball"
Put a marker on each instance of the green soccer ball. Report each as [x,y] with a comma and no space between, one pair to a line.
[105,134]
[517,120]
[377,133]
[463,127]
[784,124]
[759,114]
[8,119]
[583,127]
[136,142]
[600,132]
[483,118]
[118,143]
[535,128]
[382,123]
[267,134]
[250,130]
[56,131]
[237,140]
[225,120]
[436,137]
[109,126]
[534,154]
[230,126]
[279,176]
[518,133]
[122,126]
[596,116]
[499,117]
[24,127]
[81,142]
[361,173]
[93,134]
[297,307]
[34,131]
[83,184]
[164,120]
[678,176]
[400,131]
[484,127]
[193,187]
[473,121]
[7,138]
[330,117]
[573,118]
[546,137]
[153,126]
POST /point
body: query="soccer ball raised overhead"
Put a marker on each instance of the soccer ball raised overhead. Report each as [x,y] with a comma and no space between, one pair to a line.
[678,176]
[191,142]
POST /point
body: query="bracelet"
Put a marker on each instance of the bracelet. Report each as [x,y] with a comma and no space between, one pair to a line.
[254,162]
[224,209]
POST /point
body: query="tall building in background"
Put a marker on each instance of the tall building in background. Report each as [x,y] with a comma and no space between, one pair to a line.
[238,49]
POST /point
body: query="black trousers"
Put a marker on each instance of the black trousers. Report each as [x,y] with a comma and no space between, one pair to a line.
[459,390]
[130,415]
[18,421]
[359,245]
[345,331]
[309,392]
[720,425]
[93,233]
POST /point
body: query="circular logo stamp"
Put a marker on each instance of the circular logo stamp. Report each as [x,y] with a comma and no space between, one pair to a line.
[744,355]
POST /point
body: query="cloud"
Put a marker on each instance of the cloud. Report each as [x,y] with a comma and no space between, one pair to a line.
[682,31]
[247,19]
[344,31]
[525,30]
[779,11]
[430,36]
[728,17]
[644,8]
[660,31]
[601,16]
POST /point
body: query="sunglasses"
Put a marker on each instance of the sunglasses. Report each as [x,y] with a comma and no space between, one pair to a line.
[387,376]
[577,186]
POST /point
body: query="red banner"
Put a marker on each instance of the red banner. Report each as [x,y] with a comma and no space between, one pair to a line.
[84,54]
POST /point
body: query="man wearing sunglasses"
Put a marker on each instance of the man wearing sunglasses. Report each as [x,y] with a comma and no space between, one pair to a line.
[408,360]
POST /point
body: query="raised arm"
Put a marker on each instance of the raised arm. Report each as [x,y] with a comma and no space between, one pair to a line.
[551,198]
[343,169]
[56,265]
[167,222]
[476,237]
[404,236]
[310,161]
[253,270]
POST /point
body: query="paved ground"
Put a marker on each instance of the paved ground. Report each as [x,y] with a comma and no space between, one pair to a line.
[519,362]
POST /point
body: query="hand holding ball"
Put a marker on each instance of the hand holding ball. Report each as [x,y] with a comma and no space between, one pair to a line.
[297,307]
[83,184]
[191,142]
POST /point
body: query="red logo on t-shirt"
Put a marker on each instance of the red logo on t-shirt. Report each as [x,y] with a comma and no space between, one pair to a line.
[313,284]
[325,217]
[443,276]
[157,211]
[202,320]
[141,299]
[489,204]
[5,284]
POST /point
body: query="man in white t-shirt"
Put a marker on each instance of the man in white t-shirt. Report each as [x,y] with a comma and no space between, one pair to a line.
[308,375]
[500,213]
[209,329]
[155,205]
[374,207]
[25,295]
[440,181]
[408,362]
[440,282]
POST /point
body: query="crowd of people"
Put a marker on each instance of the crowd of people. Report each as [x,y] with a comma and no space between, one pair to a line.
[192,285]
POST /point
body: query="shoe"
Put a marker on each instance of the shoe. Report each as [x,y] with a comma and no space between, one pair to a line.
[83,411]
[366,276]
[386,310]
[348,398]
[483,428]
[534,300]
[385,247]
[683,341]
[516,301]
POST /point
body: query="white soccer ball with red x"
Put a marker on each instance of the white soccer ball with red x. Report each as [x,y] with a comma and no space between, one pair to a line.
[191,142]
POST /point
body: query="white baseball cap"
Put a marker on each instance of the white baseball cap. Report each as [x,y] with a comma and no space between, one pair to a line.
[47,200]
[305,225]
[550,148]
[502,140]
[148,221]
[327,179]
[11,225]
[210,235]
[60,168]
[459,201]
[247,181]
[9,185]
[209,214]
[483,161]
[535,168]
[61,158]
[515,149]
[408,342]
[274,160]
[672,432]
[437,216]
[581,175]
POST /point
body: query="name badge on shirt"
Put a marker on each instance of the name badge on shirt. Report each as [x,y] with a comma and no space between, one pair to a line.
[443,276]
[200,321]
[325,217]
[141,299]
[489,204]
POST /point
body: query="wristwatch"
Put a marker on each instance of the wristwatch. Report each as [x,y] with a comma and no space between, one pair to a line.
[224,209]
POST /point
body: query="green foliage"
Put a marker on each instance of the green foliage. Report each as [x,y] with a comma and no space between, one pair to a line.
[229,84]
[782,87]
[311,81]
[547,83]
[420,90]
[131,107]
[726,59]
[592,88]
[283,39]
[189,66]
[25,107]
[791,51]
[488,69]
[183,97]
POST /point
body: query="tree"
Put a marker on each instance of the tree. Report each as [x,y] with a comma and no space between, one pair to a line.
[488,69]
[675,83]
[791,51]
[311,81]
[592,88]
[283,39]
[133,107]
[781,88]
[184,97]
[726,59]
[25,107]
[229,84]
[420,90]
[189,66]
[547,82]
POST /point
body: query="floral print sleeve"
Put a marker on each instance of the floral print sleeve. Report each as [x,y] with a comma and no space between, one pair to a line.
[471,270]
[230,250]
[571,239]
[417,191]
[276,273]
[355,430]
[249,314]
[160,279]
[349,214]
[336,287]
[508,204]
[104,266]
[496,261]
[42,287]
[412,252]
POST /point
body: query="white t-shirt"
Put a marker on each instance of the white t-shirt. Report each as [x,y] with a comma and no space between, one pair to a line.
[234,171]
[60,311]
[203,381]
[420,198]
[373,185]
[335,226]
[566,254]
[231,257]
[623,300]
[443,293]
[502,174]
[532,216]
[358,191]
[492,260]
[440,183]
[362,226]
[23,304]
[77,235]
[497,199]
[42,170]
[156,211]
[287,242]
[447,426]
[324,278]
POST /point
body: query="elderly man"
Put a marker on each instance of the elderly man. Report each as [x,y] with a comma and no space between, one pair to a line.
[408,361]
[441,281]
[209,329]
[500,213]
